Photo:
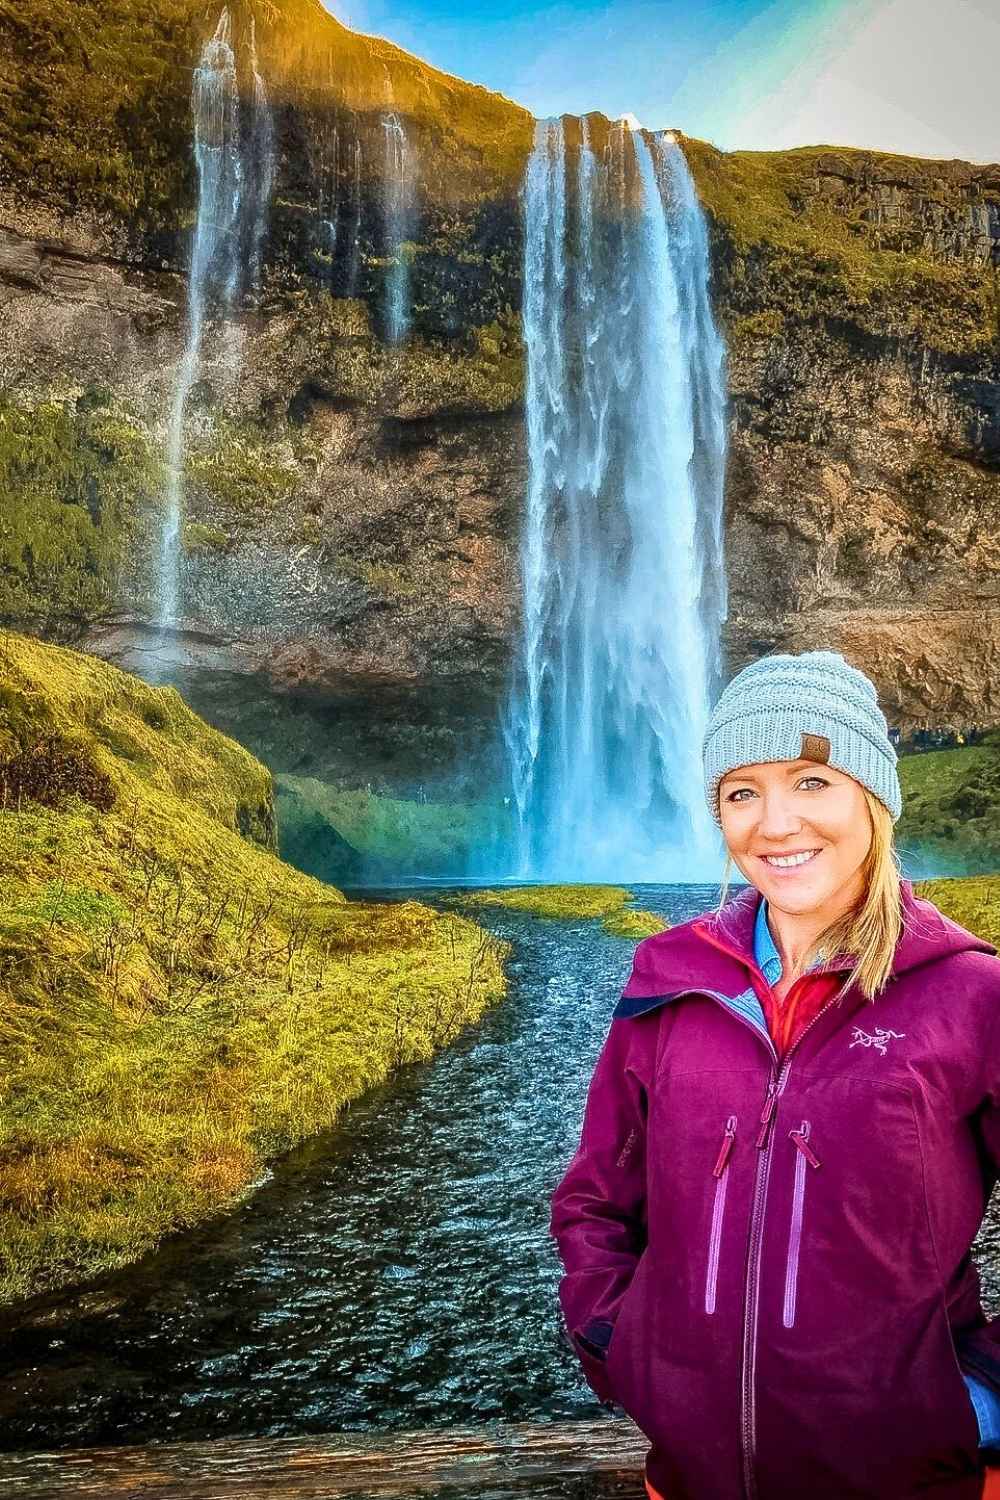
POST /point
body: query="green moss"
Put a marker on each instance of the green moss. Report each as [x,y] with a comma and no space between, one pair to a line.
[634,924]
[810,257]
[758,327]
[568,903]
[406,837]
[483,371]
[388,579]
[96,110]
[196,537]
[79,479]
[973,902]
[179,1005]
[236,467]
[951,807]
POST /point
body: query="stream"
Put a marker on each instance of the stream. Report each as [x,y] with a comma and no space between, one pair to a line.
[394,1272]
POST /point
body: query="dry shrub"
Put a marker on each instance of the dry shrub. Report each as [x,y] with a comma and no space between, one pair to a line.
[50,771]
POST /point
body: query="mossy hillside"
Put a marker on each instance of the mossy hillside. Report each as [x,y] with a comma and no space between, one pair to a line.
[777,238]
[326,829]
[973,902]
[951,806]
[569,903]
[332,342]
[178,1005]
[80,479]
[481,138]
[98,100]
[97,103]
[84,476]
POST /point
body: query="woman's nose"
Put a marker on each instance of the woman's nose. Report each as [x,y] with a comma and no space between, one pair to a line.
[777,818]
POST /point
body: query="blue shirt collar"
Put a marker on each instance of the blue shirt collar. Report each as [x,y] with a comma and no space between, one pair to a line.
[766,955]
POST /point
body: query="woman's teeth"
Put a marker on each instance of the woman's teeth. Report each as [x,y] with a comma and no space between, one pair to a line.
[787,861]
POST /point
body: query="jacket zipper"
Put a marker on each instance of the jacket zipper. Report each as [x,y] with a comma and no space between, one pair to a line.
[775,1086]
[806,1155]
[721,1175]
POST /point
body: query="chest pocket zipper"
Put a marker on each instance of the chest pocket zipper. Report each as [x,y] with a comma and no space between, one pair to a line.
[721,1174]
[805,1157]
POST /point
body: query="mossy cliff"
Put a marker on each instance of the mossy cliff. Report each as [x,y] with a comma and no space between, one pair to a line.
[178,1005]
[353,508]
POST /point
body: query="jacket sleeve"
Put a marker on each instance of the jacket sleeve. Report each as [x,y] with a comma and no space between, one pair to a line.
[598,1210]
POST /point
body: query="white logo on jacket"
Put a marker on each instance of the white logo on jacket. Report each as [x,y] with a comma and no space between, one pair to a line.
[881,1038]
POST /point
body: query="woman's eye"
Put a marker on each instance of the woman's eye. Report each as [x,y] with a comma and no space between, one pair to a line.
[735,796]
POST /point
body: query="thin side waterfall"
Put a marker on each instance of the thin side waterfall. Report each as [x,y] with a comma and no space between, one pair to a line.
[214,264]
[622,566]
[260,177]
[397,189]
[329,195]
[354,224]
[235,182]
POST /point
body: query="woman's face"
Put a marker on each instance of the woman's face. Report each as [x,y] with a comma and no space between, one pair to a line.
[789,807]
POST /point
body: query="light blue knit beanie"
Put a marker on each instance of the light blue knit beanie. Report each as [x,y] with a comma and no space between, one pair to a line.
[815,706]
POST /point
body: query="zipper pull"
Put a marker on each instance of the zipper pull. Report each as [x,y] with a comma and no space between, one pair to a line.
[801,1138]
[726,1147]
[766,1114]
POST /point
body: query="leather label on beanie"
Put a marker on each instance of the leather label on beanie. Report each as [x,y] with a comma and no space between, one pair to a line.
[815,747]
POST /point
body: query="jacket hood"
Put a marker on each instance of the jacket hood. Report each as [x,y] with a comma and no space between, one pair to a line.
[717,949]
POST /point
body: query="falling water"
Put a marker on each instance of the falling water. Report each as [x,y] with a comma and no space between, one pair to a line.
[260,177]
[622,551]
[397,187]
[354,223]
[214,263]
[329,193]
[234,190]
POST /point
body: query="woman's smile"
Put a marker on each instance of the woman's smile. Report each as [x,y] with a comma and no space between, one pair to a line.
[787,865]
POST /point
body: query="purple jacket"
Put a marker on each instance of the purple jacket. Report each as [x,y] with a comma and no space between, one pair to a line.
[768,1265]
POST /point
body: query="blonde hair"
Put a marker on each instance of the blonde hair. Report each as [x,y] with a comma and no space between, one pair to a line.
[869,930]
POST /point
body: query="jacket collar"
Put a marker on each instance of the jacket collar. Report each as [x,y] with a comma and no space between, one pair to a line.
[927,933]
[717,951]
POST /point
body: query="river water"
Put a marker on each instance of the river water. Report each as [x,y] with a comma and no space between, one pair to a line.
[395,1272]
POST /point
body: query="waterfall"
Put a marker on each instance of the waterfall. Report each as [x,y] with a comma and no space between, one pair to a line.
[260,177]
[235,180]
[397,189]
[329,195]
[622,570]
[214,262]
[354,222]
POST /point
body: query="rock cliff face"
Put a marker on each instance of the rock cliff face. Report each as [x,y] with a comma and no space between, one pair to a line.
[353,507]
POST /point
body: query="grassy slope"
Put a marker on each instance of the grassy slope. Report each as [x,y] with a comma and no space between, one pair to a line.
[570,903]
[951,806]
[95,112]
[816,259]
[176,1005]
[410,838]
[974,902]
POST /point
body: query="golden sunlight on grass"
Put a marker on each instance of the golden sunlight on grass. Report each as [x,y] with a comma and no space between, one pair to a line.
[570,903]
[177,1006]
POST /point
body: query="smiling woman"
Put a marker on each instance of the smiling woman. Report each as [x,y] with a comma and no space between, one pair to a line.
[775,1278]
[801,836]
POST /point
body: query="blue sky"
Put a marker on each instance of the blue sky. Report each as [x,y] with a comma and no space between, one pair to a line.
[913,76]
